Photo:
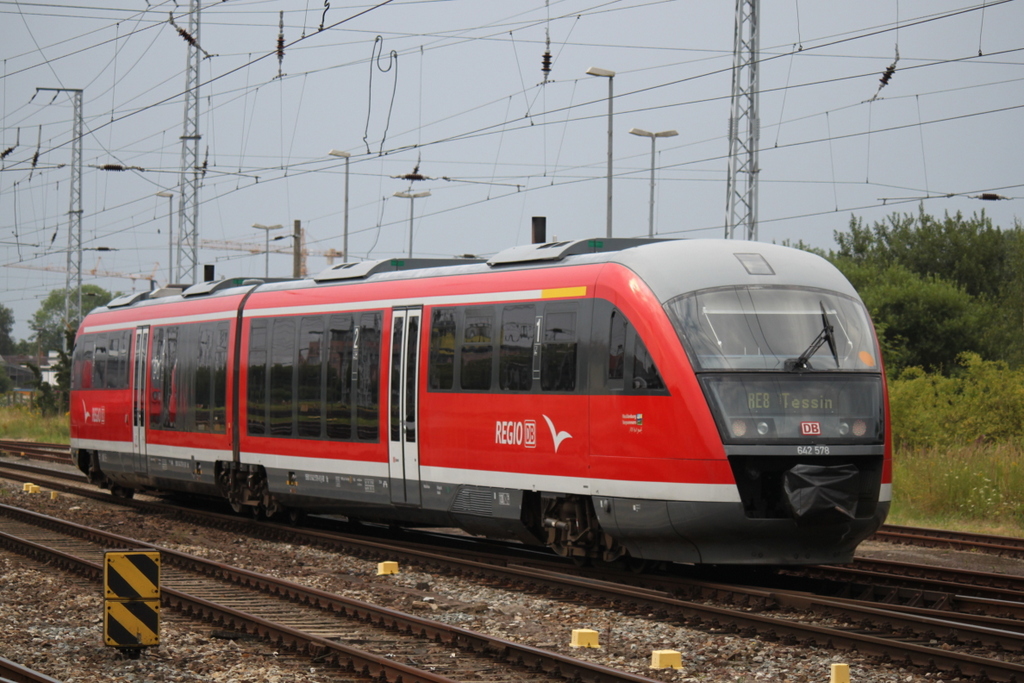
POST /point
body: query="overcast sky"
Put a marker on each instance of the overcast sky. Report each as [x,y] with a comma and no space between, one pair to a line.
[464,100]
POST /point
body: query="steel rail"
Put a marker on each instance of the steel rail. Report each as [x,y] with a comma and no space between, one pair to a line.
[12,672]
[319,648]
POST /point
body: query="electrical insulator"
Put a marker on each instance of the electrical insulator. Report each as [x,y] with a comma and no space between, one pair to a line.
[545,62]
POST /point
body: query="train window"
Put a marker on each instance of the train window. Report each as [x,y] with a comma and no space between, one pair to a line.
[99,364]
[156,379]
[81,363]
[310,374]
[203,402]
[338,409]
[441,374]
[220,378]
[477,349]
[411,376]
[515,360]
[367,359]
[397,330]
[617,349]
[282,365]
[558,352]
[169,381]
[257,380]
[630,365]
[645,374]
[115,365]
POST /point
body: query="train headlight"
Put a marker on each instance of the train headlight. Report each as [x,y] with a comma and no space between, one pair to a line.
[739,428]
[844,428]
[763,428]
[860,428]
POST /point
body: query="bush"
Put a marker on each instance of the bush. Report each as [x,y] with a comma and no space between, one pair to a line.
[981,402]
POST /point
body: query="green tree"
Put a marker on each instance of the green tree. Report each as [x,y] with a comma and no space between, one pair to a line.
[48,321]
[922,321]
[54,400]
[937,288]
[971,252]
[7,345]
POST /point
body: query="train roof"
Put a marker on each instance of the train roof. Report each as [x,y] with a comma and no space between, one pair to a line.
[669,267]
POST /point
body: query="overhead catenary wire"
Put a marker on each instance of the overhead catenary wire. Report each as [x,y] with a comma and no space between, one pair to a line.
[498,130]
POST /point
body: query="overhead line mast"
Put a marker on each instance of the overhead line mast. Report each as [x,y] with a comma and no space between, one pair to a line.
[744,126]
[188,206]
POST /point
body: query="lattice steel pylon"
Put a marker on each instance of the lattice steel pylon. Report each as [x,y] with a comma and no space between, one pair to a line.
[73,306]
[188,204]
[744,126]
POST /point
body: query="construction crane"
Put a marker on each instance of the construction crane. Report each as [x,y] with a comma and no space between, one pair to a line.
[96,271]
[228,245]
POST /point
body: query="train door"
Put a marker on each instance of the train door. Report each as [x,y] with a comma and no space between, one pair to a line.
[403,444]
[140,376]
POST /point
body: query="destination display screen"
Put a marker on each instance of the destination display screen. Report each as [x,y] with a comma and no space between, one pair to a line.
[839,408]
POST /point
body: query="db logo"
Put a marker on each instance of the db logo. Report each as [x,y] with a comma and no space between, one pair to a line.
[810,428]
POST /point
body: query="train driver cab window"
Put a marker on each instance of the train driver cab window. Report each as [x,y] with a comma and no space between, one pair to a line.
[630,365]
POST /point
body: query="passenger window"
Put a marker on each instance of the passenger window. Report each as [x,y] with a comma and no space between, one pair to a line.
[441,374]
[82,363]
[515,362]
[257,380]
[477,349]
[558,355]
[99,364]
[156,380]
[282,365]
[310,402]
[339,377]
[367,355]
[203,404]
[171,381]
[220,378]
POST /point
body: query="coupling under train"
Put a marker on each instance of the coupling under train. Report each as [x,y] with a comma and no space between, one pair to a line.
[690,401]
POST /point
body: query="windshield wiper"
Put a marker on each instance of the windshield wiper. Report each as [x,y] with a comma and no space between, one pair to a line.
[826,335]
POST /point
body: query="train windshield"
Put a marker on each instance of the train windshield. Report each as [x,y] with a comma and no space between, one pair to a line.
[774,328]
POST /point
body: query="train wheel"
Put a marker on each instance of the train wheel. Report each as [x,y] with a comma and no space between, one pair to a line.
[295,516]
[636,565]
[122,492]
[237,506]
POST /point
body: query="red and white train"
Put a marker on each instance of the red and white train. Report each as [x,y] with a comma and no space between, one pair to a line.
[693,401]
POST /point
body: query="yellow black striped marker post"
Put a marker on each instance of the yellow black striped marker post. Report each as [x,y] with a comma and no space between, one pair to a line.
[131,610]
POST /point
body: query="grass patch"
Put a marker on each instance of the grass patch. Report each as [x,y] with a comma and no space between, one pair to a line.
[967,488]
[21,422]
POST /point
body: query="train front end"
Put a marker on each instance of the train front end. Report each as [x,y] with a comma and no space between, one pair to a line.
[787,359]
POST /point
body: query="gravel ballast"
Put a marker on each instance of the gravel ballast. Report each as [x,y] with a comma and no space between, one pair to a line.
[52,623]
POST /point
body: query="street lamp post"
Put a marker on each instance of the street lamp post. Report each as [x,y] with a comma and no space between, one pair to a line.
[266,250]
[170,240]
[345,156]
[411,196]
[653,137]
[610,75]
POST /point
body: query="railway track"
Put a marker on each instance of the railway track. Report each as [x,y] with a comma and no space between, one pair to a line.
[16,673]
[915,630]
[52,452]
[1003,546]
[328,627]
